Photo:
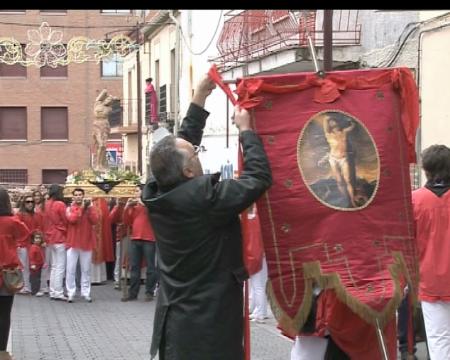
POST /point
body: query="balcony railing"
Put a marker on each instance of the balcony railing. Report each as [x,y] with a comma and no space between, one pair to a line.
[251,34]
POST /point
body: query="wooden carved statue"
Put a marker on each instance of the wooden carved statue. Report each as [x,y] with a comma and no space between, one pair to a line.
[101,129]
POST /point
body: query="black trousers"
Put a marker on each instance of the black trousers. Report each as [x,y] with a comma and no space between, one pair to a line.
[6,303]
[35,281]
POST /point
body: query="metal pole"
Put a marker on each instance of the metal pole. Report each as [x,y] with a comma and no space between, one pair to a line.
[381,341]
[177,76]
[139,105]
[328,40]
[228,120]
[313,53]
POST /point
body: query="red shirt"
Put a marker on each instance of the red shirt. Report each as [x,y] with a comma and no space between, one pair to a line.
[34,221]
[432,220]
[36,257]
[116,217]
[137,217]
[80,229]
[55,222]
[12,231]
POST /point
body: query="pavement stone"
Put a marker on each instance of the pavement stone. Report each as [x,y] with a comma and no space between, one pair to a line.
[108,329]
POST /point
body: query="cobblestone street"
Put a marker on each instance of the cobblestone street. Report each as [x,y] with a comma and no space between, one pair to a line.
[105,329]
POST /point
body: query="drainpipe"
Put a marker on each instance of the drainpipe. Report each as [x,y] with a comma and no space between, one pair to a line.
[177,72]
[191,72]
[139,105]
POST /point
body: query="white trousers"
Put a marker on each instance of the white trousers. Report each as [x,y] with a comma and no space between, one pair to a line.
[22,253]
[71,270]
[309,348]
[258,297]
[436,316]
[98,273]
[117,264]
[45,272]
[58,254]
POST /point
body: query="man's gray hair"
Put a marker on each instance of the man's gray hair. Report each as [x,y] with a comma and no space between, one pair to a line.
[167,163]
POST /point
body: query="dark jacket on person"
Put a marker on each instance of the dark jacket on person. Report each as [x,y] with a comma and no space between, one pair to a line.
[199,311]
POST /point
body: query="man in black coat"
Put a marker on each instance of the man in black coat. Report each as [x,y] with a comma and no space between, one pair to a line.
[199,310]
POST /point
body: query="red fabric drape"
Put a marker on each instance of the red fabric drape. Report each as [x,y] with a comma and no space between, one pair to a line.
[104,251]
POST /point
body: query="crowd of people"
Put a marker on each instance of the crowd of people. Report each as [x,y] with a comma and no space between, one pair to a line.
[60,244]
[184,226]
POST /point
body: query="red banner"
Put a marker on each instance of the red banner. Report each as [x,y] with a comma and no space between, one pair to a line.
[338,214]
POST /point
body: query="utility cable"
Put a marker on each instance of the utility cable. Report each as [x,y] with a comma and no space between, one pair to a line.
[210,41]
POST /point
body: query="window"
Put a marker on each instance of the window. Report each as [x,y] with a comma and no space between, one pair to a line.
[14,176]
[112,67]
[15,70]
[54,123]
[130,97]
[115,12]
[115,117]
[59,71]
[13,123]
[54,176]
[162,99]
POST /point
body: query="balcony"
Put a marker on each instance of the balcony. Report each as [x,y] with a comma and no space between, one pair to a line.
[252,34]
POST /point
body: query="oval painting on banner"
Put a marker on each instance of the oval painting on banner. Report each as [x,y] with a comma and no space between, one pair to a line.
[338,160]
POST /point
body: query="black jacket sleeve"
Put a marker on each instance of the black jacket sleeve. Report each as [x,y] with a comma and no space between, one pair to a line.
[231,196]
[192,126]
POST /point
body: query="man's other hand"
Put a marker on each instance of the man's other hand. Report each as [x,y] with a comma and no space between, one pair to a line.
[241,118]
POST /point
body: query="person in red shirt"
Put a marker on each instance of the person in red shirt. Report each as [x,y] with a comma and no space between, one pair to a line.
[33,221]
[116,218]
[12,231]
[142,245]
[431,209]
[81,241]
[39,207]
[55,234]
[37,261]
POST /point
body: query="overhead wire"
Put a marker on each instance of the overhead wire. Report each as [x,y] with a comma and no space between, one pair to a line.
[399,44]
[210,41]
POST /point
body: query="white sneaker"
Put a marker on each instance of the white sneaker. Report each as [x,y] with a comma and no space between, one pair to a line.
[40,293]
[70,299]
[259,320]
[88,299]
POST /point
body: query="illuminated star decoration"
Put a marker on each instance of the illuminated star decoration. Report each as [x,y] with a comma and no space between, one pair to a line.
[45,48]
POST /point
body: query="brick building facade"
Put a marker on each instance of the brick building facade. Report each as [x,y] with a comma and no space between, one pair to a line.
[46,114]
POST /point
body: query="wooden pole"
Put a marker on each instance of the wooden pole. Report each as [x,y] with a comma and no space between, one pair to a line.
[328,40]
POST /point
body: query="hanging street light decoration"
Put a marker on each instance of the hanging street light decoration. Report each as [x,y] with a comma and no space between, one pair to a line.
[45,48]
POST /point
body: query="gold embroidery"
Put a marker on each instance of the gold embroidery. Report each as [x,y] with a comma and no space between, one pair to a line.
[288,183]
[286,228]
[268,104]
